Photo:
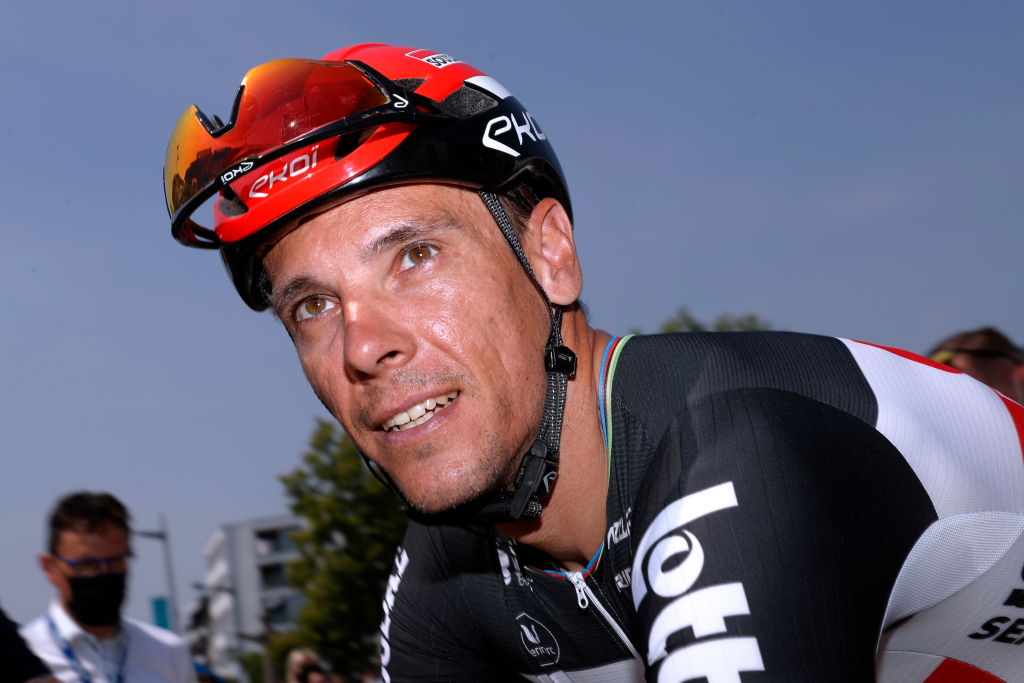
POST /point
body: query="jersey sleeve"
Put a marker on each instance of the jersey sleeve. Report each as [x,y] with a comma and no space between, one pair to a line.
[769,530]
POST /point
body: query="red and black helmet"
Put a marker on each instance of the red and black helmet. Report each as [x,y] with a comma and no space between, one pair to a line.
[305,135]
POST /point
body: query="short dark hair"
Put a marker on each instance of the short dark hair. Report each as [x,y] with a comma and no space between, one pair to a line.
[88,512]
[518,203]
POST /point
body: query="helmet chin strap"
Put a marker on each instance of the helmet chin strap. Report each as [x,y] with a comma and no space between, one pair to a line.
[539,466]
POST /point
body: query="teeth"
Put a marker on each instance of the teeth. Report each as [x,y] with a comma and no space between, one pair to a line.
[419,413]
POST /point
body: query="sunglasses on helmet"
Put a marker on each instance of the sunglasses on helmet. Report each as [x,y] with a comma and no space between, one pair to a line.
[281,106]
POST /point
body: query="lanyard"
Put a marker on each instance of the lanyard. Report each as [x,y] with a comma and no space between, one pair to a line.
[76,663]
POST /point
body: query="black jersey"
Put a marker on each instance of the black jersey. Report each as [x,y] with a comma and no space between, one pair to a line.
[781,507]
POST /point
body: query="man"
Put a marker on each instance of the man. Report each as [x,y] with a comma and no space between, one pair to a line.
[762,507]
[987,355]
[83,637]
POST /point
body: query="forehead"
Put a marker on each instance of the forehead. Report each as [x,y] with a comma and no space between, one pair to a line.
[102,541]
[352,229]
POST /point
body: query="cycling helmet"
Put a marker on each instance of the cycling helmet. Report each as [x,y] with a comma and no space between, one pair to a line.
[305,135]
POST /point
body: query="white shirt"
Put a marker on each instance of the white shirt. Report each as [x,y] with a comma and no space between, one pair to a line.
[143,652]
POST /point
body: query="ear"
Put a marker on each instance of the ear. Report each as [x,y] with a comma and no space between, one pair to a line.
[554,259]
[48,563]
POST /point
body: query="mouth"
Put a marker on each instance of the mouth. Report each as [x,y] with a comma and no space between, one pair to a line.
[419,413]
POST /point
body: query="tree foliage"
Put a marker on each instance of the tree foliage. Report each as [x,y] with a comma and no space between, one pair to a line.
[683,321]
[346,550]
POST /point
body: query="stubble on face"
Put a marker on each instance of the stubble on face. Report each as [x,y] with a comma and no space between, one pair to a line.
[493,471]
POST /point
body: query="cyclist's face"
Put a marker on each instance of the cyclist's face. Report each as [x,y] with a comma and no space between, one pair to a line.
[407,304]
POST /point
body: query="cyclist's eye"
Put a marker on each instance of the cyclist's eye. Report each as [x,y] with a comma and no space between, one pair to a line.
[417,254]
[313,307]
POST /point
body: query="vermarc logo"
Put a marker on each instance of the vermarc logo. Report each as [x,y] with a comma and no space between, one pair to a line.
[537,639]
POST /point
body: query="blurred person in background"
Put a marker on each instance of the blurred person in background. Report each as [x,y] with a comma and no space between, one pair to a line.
[83,637]
[987,355]
[303,665]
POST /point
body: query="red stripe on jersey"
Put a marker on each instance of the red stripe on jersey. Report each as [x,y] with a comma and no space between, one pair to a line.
[1017,413]
[911,356]
[955,671]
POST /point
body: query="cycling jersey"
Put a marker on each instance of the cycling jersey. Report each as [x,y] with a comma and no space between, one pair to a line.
[781,507]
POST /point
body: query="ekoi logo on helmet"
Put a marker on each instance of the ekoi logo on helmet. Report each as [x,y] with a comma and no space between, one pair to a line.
[295,166]
[508,123]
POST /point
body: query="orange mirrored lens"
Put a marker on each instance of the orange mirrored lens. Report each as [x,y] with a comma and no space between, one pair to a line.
[280,101]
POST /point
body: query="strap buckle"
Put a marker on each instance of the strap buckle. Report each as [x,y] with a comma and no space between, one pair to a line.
[560,359]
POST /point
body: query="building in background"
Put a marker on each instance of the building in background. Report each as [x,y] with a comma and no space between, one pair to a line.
[245,591]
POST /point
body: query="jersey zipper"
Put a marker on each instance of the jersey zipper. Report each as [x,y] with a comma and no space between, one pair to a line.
[585,597]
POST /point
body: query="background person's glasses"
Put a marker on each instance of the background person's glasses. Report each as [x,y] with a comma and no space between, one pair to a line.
[94,566]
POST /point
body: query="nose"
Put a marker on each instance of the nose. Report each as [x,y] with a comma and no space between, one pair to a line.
[377,340]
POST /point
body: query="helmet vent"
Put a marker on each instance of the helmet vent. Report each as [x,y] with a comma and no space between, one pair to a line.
[350,142]
[409,84]
[466,102]
[229,204]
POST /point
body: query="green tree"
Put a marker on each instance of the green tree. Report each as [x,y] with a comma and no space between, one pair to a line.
[346,551]
[683,321]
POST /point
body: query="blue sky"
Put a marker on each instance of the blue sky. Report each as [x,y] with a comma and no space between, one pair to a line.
[849,170]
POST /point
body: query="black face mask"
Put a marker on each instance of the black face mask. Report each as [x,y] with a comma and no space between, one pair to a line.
[96,600]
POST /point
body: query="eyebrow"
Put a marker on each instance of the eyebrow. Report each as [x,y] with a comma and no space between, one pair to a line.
[400,233]
[281,296]
[407,232]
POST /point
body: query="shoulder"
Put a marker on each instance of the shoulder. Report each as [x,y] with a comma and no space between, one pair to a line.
[35,630]
[736,358]
[964,439]
[154,635]
[39,640]
[656,377]
[437,551]
[439,569]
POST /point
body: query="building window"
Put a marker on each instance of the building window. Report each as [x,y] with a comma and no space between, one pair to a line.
[284,611]
[273,576]
[270,541]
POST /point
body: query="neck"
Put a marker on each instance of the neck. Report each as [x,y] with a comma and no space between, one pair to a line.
[102,632]
[572,526]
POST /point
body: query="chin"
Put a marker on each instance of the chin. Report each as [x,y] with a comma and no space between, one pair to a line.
[455,492]
[446,501]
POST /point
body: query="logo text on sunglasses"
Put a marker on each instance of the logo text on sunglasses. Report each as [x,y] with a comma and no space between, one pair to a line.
[243,167]
[296,167]
[500,125]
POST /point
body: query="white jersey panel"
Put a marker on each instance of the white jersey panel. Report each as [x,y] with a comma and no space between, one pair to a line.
[965,546]
[954,431]
[981,625]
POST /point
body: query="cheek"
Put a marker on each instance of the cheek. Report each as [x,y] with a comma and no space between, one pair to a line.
[322,377]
